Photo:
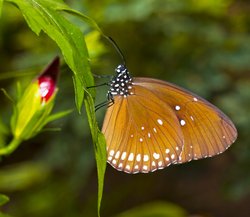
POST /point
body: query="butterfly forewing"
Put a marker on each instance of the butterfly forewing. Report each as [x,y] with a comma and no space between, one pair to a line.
[148,136]
[206,130]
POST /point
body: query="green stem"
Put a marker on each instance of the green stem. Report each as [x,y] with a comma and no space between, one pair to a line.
[10,147]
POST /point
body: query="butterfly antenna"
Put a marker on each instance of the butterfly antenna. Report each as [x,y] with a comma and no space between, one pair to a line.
[117,49]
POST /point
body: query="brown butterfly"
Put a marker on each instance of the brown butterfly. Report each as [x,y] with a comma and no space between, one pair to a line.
[152,124]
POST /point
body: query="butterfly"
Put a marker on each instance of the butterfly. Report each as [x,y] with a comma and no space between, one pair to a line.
[151,124]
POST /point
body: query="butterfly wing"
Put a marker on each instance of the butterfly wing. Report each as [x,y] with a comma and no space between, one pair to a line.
[160,124]
[207,131]
[142,133]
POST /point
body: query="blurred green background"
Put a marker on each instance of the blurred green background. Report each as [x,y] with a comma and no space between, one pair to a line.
[203,46]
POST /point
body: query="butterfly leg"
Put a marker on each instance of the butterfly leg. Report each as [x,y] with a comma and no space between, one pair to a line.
[108,103]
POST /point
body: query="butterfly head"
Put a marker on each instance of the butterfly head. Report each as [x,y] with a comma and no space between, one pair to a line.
[121,83]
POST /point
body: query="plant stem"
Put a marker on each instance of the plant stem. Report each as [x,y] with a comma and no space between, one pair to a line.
[10,147]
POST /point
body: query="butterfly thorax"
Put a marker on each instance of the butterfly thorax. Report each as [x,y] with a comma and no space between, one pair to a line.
[121,83]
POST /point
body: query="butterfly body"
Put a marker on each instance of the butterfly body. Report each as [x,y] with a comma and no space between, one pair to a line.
[153,124]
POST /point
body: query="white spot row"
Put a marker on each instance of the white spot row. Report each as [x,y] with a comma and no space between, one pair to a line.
[145,167]
[141,139]
[138,156]
[136,167]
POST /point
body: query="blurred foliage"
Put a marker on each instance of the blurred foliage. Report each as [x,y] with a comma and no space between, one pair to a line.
[3,199]
[155,209]
[201,45]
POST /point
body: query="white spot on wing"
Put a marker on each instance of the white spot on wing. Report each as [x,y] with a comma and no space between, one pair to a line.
[149,135]
[160,121]
[123,155]
[145,157]
[141,139]
[117,154]
[192,118]
[145,167]
[131,157]
[155,130]
[182,122]
[195,99]
[114,161]
[156,156]
[111,153]
[138,157]
[142,128]
[160,163]
[172,156]
[177,107]
[167,151]
[127,167]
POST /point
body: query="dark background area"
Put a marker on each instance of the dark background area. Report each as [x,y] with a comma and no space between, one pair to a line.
[203,46]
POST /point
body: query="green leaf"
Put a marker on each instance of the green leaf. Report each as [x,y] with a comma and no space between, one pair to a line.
[3,199]
[79,93]
[7,95]
[58,115]
[85,18]
[100,146]
[100,155]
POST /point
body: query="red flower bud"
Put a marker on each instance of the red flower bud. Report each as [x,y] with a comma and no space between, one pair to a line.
[47,80]
[36,103]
